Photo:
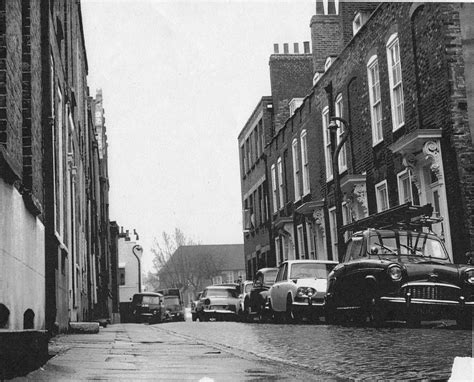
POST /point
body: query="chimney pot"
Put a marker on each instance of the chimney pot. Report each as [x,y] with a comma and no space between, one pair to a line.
[276,48]
[296,48]
[285,48]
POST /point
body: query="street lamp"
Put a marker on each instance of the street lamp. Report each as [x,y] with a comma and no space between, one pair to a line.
[138,248]
[335,150]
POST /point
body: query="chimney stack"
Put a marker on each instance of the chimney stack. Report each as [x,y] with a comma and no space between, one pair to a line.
[306,47]
[276,48]
[285,48]
[296,48]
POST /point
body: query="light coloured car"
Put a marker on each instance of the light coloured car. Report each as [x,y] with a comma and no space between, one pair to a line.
[219,302]
[300,288]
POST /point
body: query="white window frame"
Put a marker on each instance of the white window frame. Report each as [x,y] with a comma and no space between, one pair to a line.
[277,250]
[274,189]
[356,23]
[216,280]
[327,64]
[396,84]
[404,176]
[327,144]
[301,247]
[311,244]
[296,169]
[373,75]
[379,188]
[339,110]
[305,162]
[280,183]
[333,230]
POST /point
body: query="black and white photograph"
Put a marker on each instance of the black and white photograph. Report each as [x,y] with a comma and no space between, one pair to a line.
[236,190]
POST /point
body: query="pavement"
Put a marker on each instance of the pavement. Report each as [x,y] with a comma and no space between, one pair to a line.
[135,352]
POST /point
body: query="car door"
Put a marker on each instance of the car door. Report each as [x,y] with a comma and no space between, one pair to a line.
[277,291]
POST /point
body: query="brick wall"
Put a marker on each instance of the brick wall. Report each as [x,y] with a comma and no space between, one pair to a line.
[290,77]
[10,83]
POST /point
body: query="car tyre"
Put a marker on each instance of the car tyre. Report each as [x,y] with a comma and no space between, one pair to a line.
[464,321]
[290,316]
[193,316]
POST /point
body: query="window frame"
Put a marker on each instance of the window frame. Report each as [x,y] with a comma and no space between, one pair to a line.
[392,43]
[377,130]
[402,176]
[339,111]
[305,162]
[327,144]
[301,241]
[296,169]
[378,187]
[274,188]
[281,184]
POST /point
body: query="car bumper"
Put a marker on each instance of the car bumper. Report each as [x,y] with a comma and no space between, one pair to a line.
[426,307]
[307,305]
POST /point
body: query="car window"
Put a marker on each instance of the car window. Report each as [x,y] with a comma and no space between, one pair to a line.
[354,248]
[270,277]
[221,293]
[151,300]
[310,270]
[172,300]
[280,272]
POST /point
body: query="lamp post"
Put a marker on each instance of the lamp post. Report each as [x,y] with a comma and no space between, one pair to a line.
[335,150]
[138,248]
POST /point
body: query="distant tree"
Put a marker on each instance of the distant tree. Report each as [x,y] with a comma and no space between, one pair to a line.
[180,269]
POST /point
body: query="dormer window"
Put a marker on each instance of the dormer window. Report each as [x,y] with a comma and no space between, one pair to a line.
[327,64]
[294,104]
[316,77]
[356,23]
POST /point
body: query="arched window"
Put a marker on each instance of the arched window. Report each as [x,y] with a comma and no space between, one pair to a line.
[28,319]
[4,316]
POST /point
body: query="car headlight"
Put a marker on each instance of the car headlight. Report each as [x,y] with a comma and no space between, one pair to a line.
[470,276]
[305,292]
[395,272]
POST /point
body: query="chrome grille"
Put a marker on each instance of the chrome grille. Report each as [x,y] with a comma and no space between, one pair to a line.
[432,292]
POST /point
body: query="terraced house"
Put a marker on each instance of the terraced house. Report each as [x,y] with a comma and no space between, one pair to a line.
[56,259]
[399,78]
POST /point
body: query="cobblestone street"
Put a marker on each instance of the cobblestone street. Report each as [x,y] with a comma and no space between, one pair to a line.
[224,351]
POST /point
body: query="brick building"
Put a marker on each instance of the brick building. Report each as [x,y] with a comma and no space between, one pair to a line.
[56,257]
[290,78]
[400,74]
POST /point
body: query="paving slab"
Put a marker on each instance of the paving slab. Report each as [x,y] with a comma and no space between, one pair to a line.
[135,352]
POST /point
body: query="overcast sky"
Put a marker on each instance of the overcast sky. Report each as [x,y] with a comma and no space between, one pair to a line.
[179,80]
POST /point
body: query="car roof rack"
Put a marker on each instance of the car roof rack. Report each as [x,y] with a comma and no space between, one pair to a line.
[405,216]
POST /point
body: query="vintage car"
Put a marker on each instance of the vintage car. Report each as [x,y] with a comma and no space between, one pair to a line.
[255,302]
[299,290]
[399,274]
[148,307]
[218,302]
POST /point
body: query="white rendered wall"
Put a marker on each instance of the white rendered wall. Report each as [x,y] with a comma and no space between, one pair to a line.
[22,259]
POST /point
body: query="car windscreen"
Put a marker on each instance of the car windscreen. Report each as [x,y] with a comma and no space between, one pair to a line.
[310,270]
[221,293]
[172,300]
[150,300]
[407,244]
[270,277]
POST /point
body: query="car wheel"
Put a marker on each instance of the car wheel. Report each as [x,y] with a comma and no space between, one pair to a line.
[464,321]
[193,316]
[413,321]
[261,314]
[290,316]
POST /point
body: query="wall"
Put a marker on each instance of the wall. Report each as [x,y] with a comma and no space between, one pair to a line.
[22,276]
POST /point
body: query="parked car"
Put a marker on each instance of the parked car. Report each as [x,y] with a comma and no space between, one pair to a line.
[255,302]
[218,302]
[194,306]
[174,308]
[300,288]
[148,307]
[397,274]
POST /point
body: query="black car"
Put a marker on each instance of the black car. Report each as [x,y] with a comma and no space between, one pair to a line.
[255,303]
[148,307]
[174,308]
[399,274]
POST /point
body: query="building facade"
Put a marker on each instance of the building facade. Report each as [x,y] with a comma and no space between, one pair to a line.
[400,77]
[53,179]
